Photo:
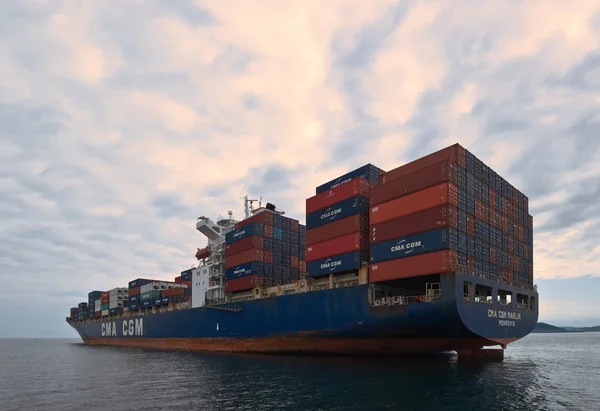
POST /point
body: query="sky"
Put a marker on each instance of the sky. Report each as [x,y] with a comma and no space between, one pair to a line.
[119,126]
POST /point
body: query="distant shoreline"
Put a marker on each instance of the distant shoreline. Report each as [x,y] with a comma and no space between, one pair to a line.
[543,328]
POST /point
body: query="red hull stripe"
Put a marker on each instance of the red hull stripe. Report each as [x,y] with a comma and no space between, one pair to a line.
[383,346]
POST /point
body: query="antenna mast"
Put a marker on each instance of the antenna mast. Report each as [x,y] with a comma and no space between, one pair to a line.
[248,206]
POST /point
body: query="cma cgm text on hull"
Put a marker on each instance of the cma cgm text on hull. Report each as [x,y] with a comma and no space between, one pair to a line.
[441,243]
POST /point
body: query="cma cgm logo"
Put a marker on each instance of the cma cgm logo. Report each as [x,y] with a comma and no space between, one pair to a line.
[405,246]
[239,271]
[331,264]
[239,233]
[330,213]
[128,328]
[340,182]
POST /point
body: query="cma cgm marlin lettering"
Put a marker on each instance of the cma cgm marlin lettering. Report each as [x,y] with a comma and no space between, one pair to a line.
[426,288]
[129,328]
[505,318]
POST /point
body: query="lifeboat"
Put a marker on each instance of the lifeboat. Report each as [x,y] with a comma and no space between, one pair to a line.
[202,253]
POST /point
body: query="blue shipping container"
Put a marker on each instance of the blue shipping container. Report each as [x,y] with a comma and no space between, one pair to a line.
[335,264]
[343,209]
[243,270]
[134,307]
[369,172]
[186,275]
[139,282]
[425,242]
[115,311]
[243,232]
[135,298]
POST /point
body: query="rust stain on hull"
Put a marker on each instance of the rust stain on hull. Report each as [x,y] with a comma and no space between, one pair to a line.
[290,345]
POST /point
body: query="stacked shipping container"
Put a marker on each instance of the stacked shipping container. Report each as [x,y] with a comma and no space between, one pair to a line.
[337,223]
[145,293]
[448,212]
[264,250]
[117,301]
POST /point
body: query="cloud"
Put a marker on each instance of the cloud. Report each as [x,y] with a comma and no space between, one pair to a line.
[120,126]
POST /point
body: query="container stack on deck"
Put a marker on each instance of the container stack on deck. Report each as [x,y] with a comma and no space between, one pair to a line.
[104,303]
[337,223]
[94,304]
[449,212]
[118,300]
[263,250]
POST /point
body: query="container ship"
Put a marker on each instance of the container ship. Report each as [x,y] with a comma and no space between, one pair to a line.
[433,256]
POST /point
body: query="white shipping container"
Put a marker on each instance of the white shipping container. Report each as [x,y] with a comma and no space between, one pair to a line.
[118,290]
[115,304]
[117,297]
[146,288]
[98,305]
[104,313]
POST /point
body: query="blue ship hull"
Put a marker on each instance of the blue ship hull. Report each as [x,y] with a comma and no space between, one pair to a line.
[335,321]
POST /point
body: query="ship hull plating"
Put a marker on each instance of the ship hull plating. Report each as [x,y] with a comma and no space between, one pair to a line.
[339,321]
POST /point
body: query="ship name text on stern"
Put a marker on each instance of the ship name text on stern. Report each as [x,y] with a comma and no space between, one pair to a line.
[128,328]
[505,318]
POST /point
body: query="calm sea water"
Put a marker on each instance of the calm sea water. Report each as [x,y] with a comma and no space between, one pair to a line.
[540,372]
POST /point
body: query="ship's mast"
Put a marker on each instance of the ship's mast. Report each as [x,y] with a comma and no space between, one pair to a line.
[249,206]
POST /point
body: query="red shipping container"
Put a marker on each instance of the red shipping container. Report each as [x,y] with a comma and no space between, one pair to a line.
[245,283]
[447,154]
[178,280]
[294,262]
[511,244]
[507,207]
[526,204]
[253,254]
[173,292]
[354,224]
[244,244]
[267,257]
[471,265]
[265,217]
[492,254]
[481,211]
[461,157]
[445,193]
[433,175]
[188,283]
[423,264]
[268,231]
[504,223]
[520,232]
[438,217]
[302,266]
[340,245]
[294,226]
[470,224]
[351,188]
[492,196]
[134,291]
